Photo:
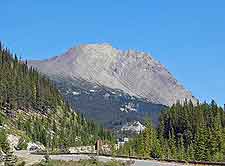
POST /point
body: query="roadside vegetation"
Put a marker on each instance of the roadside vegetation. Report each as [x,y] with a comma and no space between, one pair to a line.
[90,162]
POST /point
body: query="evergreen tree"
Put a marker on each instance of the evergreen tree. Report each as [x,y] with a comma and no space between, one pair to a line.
[4,145]
[181,150]
[172,145]
[190,153]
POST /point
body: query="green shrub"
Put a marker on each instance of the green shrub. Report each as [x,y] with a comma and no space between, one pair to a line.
[22,145]
[23,163]
[4,145]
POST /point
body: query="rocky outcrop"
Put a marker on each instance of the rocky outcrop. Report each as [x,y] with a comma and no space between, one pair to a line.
[135,126]
[35,147]
[13,141]
[135,73]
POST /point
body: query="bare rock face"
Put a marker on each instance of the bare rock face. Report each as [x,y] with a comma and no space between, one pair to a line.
[135,126]
[135,73]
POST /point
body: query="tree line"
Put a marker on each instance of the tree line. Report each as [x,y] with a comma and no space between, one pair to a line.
[186,132]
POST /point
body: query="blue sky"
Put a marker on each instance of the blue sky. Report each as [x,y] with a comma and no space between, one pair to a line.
[188,37]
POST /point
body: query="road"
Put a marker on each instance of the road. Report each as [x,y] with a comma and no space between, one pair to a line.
[105,159]
[32,159]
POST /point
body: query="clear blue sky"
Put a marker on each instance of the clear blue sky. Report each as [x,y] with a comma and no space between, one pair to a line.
[188,37]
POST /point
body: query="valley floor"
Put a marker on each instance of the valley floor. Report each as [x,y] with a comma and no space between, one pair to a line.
[31,159]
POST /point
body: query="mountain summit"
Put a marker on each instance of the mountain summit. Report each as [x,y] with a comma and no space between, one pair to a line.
[135,73]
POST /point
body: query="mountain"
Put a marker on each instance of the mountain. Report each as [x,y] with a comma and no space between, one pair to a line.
[98,75]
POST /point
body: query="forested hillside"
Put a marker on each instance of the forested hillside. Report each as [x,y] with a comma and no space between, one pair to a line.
[186,132]
[32,107]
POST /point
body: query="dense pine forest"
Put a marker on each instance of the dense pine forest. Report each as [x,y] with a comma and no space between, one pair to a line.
[186,132]
[32,107]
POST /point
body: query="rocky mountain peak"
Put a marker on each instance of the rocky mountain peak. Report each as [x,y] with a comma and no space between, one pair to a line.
[101,46]
[135,73]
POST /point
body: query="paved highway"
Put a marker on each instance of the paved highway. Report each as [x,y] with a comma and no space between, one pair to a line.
[105,159]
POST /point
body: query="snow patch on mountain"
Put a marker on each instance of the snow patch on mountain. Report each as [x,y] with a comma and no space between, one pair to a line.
[129,107]
[76,93]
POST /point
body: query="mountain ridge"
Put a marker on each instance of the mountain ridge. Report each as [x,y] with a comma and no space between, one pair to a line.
[136,73]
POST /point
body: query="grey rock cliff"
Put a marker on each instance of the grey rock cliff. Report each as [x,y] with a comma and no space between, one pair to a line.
[136,73]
